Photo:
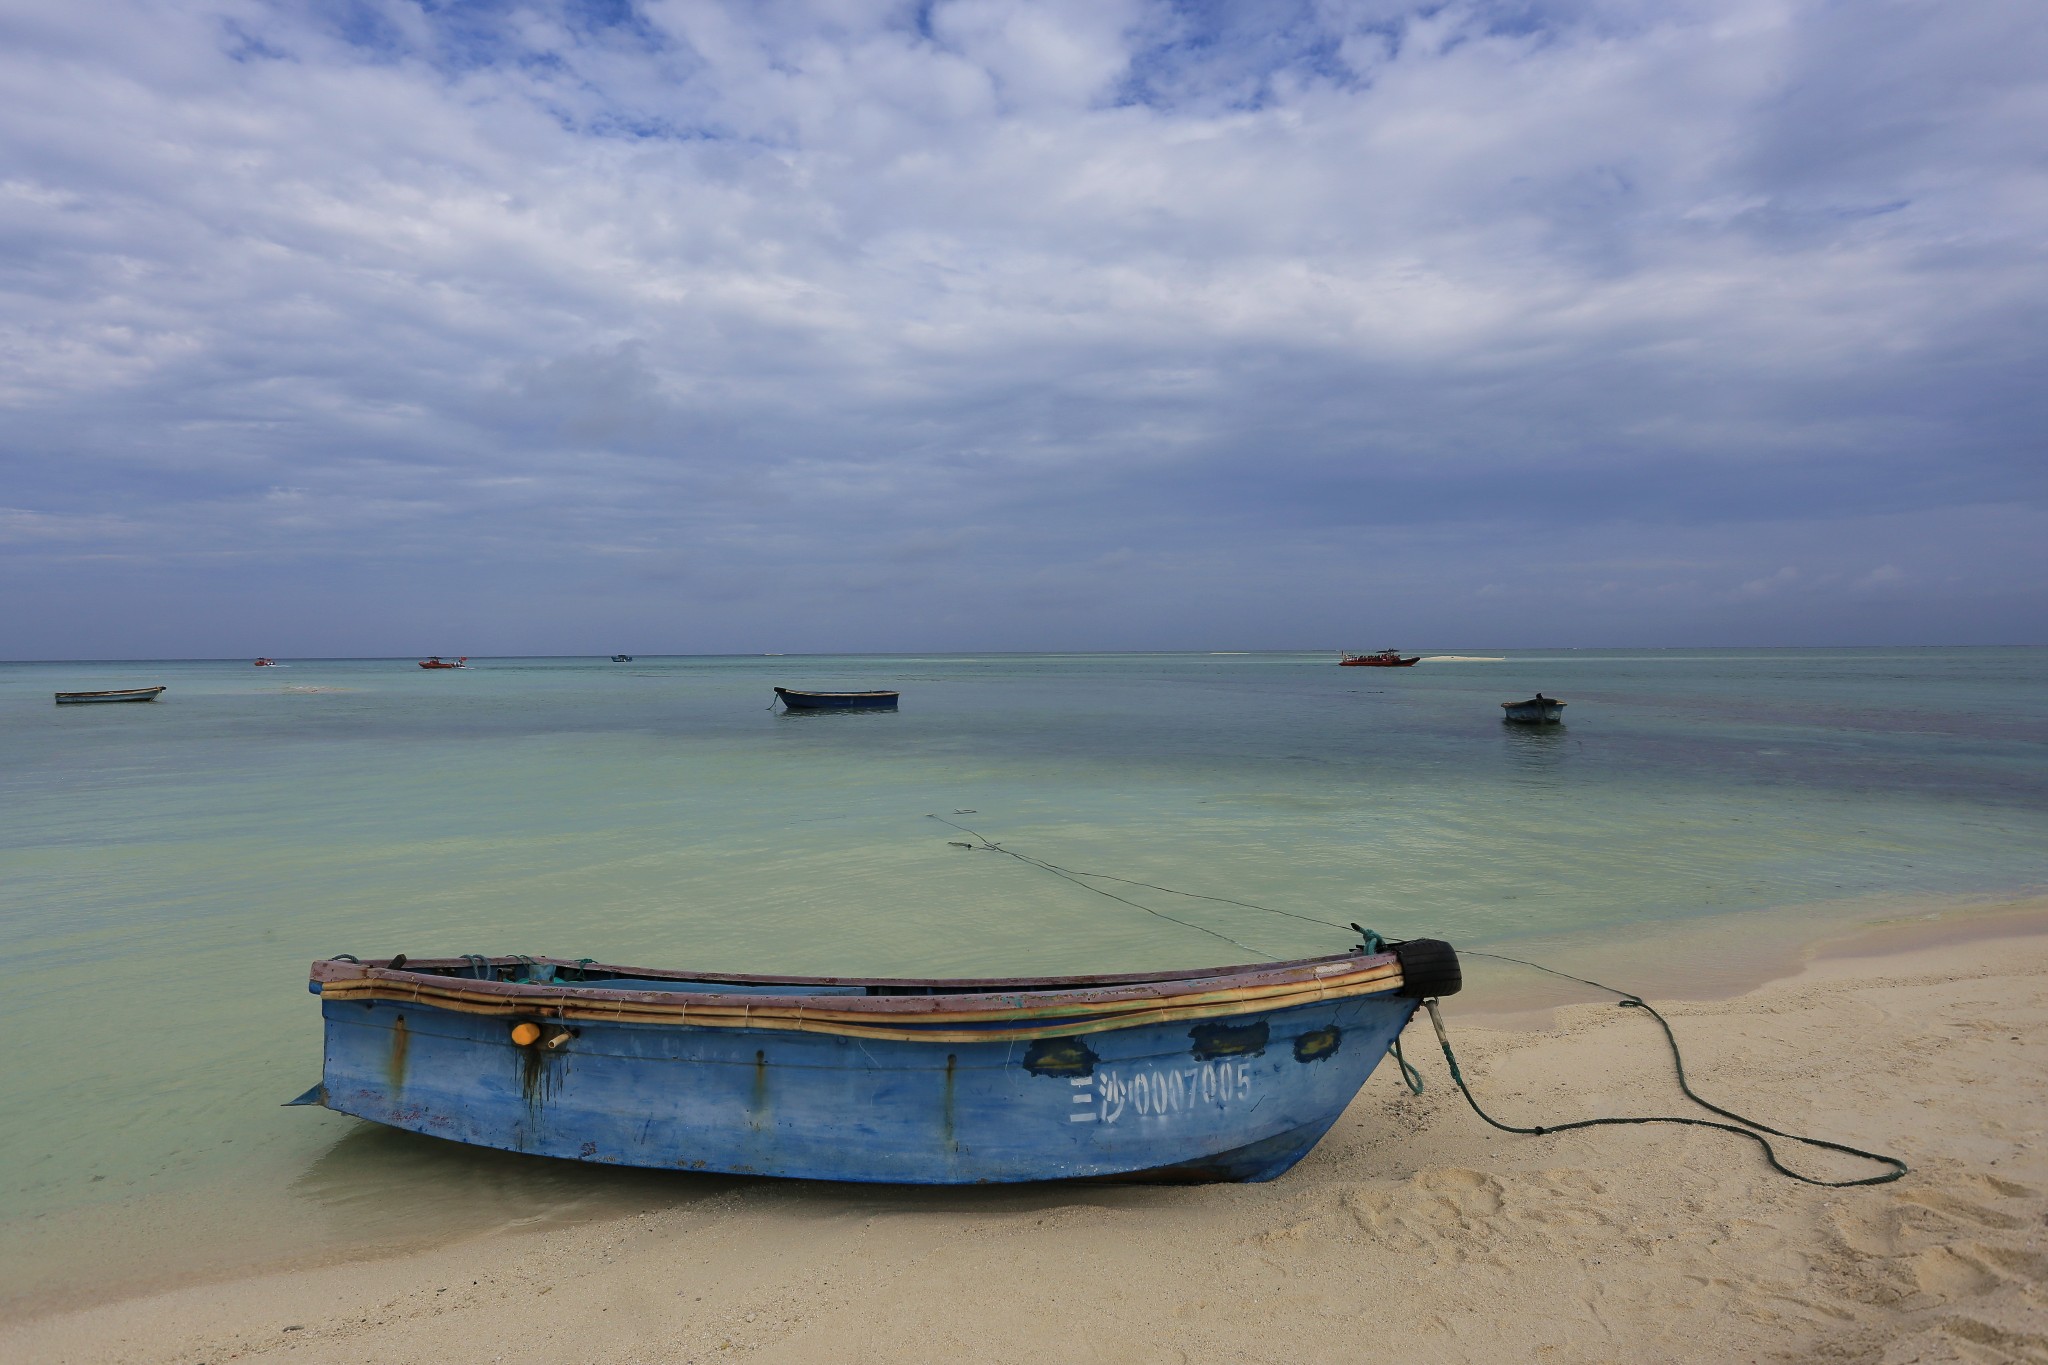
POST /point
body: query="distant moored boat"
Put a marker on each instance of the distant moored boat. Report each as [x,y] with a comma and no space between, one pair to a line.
[1538,710]
[1385,658]
[436,662]
[266,663]
[116,694]
[837,701]
[622,658]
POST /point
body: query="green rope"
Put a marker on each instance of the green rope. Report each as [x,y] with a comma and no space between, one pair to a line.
[1408,1073]
[1752,1130]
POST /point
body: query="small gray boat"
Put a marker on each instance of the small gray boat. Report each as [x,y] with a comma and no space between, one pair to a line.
[1538,710]
[117,694]
[836,701]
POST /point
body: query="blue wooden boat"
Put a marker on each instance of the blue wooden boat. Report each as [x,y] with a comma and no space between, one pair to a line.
[1538,710]
[837,701]
[115,694]
[1228,1073]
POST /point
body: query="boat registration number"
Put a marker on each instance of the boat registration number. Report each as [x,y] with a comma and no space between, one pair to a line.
[1115,1093]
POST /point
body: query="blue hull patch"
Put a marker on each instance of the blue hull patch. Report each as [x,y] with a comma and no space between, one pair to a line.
[1243,1100]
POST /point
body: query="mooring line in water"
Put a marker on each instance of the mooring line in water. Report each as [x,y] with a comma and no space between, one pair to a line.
[1075,877]
[1750,1128]
[1071,873]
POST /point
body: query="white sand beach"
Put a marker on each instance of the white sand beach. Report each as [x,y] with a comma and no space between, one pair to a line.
[1413,1232]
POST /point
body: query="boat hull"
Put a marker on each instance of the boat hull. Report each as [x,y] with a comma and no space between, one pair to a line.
[1238,1099]
[837,701]
[103,698]
[1372,662]
[1532,712]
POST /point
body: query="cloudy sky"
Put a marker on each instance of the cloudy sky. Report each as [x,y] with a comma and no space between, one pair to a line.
[566,326]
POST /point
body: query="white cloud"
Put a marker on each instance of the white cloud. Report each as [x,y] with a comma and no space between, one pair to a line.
[794,288]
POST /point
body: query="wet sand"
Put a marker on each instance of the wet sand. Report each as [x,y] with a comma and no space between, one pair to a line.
[1412,1232]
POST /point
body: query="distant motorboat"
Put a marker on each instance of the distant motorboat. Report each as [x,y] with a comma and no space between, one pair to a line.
[265,663]
[1538,710]
[115,694]
[837,701]
[436,662]
[1385,658]
[622,658]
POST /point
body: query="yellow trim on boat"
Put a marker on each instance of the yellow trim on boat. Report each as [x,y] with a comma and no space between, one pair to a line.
[1079,1017]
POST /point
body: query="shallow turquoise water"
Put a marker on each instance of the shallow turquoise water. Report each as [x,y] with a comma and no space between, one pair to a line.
[166,871]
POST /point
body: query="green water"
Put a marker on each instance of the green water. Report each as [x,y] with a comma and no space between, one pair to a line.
[167,870]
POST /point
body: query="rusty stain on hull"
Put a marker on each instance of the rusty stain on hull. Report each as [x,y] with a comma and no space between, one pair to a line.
[538,1069]
[952,1070]
[1060,1057]
[401,1046]
[1228,1040]
[757,1117]
[1318,1044]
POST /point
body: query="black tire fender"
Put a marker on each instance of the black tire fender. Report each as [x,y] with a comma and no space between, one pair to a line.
[1429,966]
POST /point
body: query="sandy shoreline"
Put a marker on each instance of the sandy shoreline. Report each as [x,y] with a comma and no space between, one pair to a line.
[1412,1232]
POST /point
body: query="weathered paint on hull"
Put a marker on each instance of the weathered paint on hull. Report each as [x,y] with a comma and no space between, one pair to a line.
[1534,713]
[1239,1099]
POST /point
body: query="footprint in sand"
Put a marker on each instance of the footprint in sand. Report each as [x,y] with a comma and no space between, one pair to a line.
[2029,1267]
[1962,1210]
[2004,1189]
[1465,1193]
[1946,1274]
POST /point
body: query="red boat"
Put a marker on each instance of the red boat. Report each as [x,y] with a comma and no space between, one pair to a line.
[435,662]
[266,663]
[1386,658]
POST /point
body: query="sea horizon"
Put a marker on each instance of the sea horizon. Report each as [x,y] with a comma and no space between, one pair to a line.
[1007,653]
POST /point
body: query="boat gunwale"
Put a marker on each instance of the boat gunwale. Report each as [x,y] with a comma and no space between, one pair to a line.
[1077,998]
[1047,1004]
[1024,1026]
[335,968]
